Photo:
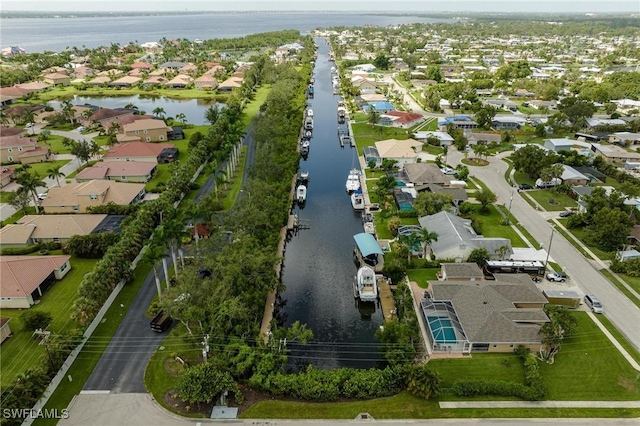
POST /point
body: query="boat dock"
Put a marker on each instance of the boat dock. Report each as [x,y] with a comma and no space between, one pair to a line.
[386,298]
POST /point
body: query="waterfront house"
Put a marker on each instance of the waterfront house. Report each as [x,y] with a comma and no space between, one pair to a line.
[101,80]
[401,151]
[148,130]
[229,84]
[121,171]
[104,116]
[26,278]
[181,81]
[463,316]
[36,229]
[57,79]
[75,198]
[400,119]
[126,81]
[205,82]
[614,153]
[139,151]
[457,238]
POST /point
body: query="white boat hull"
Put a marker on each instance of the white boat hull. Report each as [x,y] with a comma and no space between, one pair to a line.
[357,201]
[366,284]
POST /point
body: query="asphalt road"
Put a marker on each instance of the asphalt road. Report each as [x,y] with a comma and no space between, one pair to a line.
[618,308]
[121,367]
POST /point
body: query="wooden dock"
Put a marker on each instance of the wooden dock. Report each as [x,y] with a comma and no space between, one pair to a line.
[386,299]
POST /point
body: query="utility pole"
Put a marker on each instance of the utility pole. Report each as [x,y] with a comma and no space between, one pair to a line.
[549,249]
[509,210]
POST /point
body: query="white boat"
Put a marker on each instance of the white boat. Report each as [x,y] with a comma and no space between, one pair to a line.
[309,112]
[366,284]
[301,194]
[308,134]
[357,200]
[353,180]
[333,70]
[304,175]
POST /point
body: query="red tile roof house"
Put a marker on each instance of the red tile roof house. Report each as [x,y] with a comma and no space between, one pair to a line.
[11,147]
[205,82]
[144,66]
[104,116]
[126,81]
[402,119]
[57,79]
[6,176]
[230,84]
[136,151]
[5,330]
[121,171]
[25,278]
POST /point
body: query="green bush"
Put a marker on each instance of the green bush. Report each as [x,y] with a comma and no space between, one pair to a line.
[33,319]
[472,388]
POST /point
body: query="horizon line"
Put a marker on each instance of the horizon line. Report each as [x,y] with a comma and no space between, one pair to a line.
[570,12]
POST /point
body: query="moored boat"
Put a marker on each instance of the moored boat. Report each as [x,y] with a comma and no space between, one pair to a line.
[366,285]
[301,194]
[304,176]
[357,200]
[353,180]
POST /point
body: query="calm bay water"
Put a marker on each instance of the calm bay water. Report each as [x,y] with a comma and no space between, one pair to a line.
[56,34]
[319,269]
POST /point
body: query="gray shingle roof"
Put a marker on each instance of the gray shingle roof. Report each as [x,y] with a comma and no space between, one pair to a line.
[459,270]
[424,173]
[487,309]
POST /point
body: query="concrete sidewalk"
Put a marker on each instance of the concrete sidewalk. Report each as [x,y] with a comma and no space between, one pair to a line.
[541,404]
[615,342]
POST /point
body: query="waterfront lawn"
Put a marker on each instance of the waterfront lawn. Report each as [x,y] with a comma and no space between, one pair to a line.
[421,276]
[382,230]
[367,135]
[251,109]
[22,351]
[89,356]
[67,92]
[491,226]
[561,201]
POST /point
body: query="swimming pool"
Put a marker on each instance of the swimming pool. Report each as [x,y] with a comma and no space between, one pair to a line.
[442,330]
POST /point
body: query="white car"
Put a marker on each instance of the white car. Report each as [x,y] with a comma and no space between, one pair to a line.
[81,129]
[448,171]
[29,125]
[42,196]
[557,277]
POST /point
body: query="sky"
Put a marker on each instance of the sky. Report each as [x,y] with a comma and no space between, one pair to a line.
[551,6]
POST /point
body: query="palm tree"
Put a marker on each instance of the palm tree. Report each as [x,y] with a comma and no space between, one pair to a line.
[181,118]
[159,112]
[172,230]
[152,255]
[131,106]
[30,183]
[410,241]
[373,117]
[44,136]
[55,173]
[426,237]
[29,117]
[220,178]
[68,111]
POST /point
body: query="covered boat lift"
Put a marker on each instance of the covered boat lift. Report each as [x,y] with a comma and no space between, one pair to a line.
[368,252]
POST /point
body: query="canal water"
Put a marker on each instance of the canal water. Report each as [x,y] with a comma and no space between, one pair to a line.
[193,109]
[319,269]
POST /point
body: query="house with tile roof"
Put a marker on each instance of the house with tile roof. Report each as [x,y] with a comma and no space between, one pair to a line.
[230,84]
[457,238]
[6,176]
[402,151]
[400,119]
[12,147]
[206,82]
[104,116]
[75,198]
[147,130]
[424,174]
[484,316]
[35,229]
[57,79]
[24,279]
[180,81]
[144,66]
[120,171]
[138,151]
[126,81]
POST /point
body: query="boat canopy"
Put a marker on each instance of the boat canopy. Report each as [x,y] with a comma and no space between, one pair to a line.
[367,244]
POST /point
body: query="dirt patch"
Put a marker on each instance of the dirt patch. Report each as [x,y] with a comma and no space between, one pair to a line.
[177,405]
[627,384]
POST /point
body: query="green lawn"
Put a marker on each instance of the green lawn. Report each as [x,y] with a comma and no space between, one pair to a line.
[235,182]
[67,92]
[4,196]
[621,287]
[433,150]
[634,282]
[21,351]
[581,234]
[382,230]
[41,168]
[561,201]
[374,174]
[521,177]
[162,174]
[491,226]
[251,109]
[366,135]
[421,276]
[89,356]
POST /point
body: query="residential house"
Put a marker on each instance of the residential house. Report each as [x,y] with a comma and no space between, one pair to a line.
[101,80]
[614,153]
[26,278]
[364,67]
[444,137]
[383,107]
[482,138]
[364,85]
[5,330]
[180,81]
[624,138]
[104,116]
[401,151]
[458,122]
[457,238]
[538,104]
[11,147]
[458,195]
[138,151]
[400,119]
[121,171]
[230,84]
[126,81]
[561,144]
[571,176]
[501,103]
[176,133]
[57,79]
[149,130]
[424,174]
[35,229]
[38,155]
[142,66]
[189,69]
[508,122]
[75,198]
[597,122]
[463,316]
[34,86]
[205,82]
[171,65]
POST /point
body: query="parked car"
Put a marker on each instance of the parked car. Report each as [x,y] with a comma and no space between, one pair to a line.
[557,277]
[42,196]
[81,129]
[524,186]
[593,303]
[567,213]
[29,125]
[448,171]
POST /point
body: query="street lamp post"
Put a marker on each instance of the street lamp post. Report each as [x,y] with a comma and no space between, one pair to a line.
[549,249]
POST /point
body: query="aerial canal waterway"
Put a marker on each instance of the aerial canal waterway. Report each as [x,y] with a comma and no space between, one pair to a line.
[193,109]
[318,268]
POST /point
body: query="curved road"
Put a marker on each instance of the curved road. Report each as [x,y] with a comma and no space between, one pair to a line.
[618,308]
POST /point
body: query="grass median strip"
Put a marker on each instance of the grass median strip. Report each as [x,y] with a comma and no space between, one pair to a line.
[621,287]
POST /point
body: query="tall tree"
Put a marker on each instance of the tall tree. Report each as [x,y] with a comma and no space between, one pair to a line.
[55,173]
[485,197]
[30,182]
[159,112]
[562,324]
[373,116]
[152,255]
[426,238]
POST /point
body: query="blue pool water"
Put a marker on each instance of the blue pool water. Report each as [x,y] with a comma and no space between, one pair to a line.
[442,330]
